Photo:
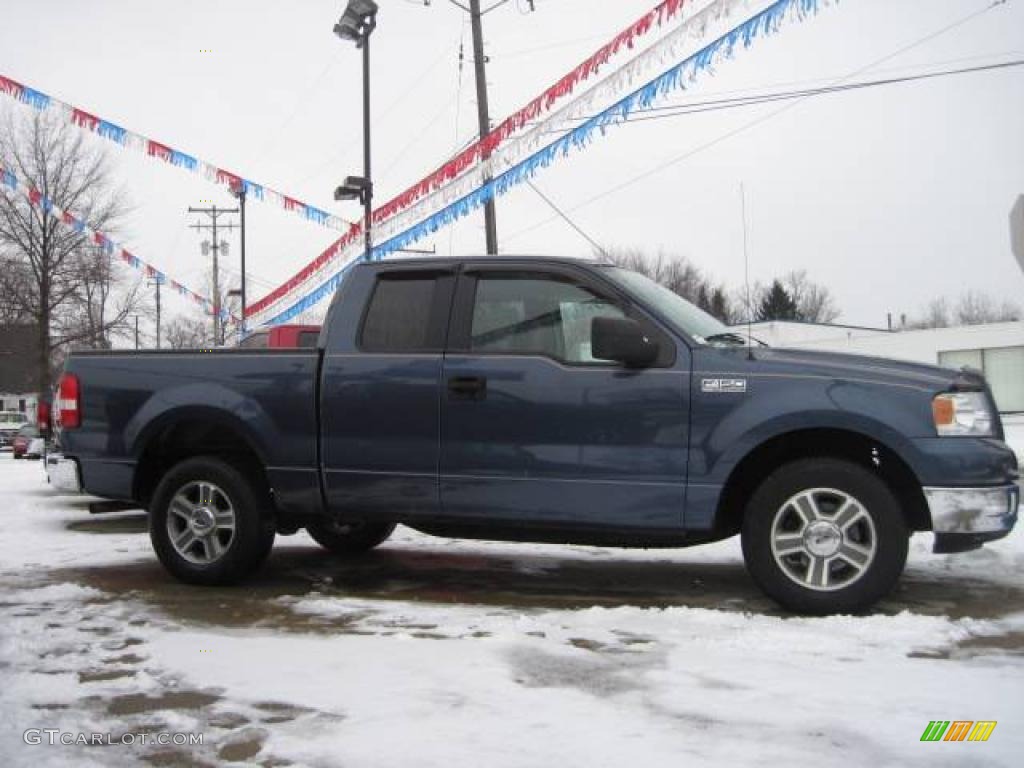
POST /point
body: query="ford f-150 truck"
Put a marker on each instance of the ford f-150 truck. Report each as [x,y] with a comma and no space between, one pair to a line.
[542,400]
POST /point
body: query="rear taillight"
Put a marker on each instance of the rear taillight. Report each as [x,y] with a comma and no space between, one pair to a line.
[43,417]
[69,409]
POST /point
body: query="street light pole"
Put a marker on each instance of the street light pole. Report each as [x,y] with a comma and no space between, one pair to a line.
[356,25]
[368,193]
[238,190]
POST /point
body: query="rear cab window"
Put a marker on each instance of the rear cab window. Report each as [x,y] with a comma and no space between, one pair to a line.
[258,340]
[407,313]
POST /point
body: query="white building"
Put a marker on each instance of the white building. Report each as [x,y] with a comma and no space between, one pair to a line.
[996,349]
[19,401]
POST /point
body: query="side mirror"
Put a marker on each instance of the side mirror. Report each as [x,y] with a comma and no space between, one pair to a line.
[622,340]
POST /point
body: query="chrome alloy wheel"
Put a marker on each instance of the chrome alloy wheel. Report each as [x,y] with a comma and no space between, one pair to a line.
[200,522]
[823,539]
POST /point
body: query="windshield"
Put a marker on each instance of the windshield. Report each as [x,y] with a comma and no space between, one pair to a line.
[673,308]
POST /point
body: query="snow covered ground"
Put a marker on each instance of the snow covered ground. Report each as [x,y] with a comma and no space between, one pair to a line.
[438,653]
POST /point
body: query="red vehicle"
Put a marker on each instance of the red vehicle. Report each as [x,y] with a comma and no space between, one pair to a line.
[283,337]
[22,444]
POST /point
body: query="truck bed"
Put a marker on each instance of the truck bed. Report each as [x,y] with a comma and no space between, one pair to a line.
[269,395]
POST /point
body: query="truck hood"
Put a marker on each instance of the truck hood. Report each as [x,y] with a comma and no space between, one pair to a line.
[880,369]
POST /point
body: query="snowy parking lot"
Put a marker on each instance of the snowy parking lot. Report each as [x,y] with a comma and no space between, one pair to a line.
[435,652]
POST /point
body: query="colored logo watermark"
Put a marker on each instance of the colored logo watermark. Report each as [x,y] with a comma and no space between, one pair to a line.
[958,730]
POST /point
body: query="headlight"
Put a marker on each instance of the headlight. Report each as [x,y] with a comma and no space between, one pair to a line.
[963,413]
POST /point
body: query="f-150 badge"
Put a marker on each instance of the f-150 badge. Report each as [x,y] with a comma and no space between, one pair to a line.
[719,386]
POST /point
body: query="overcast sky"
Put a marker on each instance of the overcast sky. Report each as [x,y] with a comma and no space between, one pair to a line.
[890,196]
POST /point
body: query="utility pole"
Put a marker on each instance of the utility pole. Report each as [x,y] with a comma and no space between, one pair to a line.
[157,282]
[483,116]
[136,332]
[214,213]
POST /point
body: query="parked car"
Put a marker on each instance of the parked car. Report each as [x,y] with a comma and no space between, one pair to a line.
[28,443]
[282,337]
[10,423]
[545,400]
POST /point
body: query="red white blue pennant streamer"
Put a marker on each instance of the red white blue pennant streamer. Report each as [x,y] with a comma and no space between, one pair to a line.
[9,180]
[43,102]
[697,25]
[706,23]
[764,23]
[658,17]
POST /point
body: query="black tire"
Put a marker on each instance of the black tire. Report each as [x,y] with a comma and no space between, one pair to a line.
[244,548]
[349,538]
[798,571]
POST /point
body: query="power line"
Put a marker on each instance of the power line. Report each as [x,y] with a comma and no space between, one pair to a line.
[746,101]
[300,104]
[897,71]
[676,159]
[551,46]
[600,249]
[476,13]
[422,132]
[323,167]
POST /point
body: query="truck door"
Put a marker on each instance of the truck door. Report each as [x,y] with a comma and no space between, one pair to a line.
[534,429]
[379,408]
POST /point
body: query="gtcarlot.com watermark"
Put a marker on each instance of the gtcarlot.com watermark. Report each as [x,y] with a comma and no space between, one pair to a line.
[55,736]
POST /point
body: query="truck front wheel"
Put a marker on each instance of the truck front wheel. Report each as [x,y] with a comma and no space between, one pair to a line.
[349,538]
[824,536]
[210,523]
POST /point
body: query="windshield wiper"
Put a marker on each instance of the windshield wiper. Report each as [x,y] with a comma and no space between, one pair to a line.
[734,338]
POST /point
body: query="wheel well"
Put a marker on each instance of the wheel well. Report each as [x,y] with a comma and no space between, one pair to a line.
[834,443]
[188,437]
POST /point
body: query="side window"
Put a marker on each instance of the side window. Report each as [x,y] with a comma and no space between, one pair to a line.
[398,318]
[256,340]
[308,338]
[536,315]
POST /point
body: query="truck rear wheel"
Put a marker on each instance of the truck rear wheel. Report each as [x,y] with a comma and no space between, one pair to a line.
[210,524]
[824,536]
[349,538]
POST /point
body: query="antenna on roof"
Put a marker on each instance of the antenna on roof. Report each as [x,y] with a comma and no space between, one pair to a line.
[746,271]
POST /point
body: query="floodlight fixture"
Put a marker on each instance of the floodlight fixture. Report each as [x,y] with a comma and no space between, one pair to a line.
[357,22]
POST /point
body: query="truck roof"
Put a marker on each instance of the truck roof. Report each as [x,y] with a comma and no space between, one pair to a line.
[448,260]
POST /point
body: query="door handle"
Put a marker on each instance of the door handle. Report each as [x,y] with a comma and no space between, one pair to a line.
[467,387]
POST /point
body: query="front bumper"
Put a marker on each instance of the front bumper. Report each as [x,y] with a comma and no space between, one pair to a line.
[965,518]
[63,473]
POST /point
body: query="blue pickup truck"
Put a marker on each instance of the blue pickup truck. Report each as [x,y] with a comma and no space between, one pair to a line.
[541,400]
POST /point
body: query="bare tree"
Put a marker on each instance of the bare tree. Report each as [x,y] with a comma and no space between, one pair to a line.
[49,259]
[11,312]
[936,315]
[793,296]
[814,302]
[972,308]
[975,308]
[104,306]
[186,332]
[194,330]
[677,274]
